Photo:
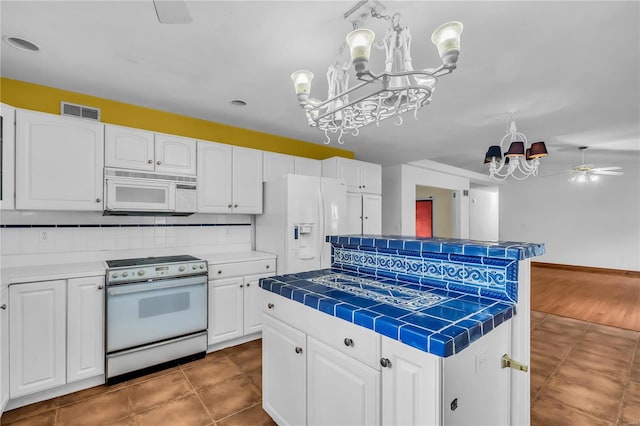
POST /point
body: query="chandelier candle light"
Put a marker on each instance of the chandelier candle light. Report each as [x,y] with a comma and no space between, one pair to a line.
[376,97]
[517,162]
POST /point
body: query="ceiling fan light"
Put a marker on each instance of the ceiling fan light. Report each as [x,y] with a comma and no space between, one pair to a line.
[360,41]
[516,149]
[447,40]
[538,150]
[302,83]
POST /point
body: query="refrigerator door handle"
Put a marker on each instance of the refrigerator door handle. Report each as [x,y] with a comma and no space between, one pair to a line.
[321,225]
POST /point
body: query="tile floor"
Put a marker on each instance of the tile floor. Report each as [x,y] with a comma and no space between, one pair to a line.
[581,374]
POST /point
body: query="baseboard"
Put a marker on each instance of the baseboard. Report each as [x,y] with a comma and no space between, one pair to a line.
[578,268]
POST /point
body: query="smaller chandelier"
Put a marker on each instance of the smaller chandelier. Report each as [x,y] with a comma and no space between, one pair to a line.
[376,97]
[517,162]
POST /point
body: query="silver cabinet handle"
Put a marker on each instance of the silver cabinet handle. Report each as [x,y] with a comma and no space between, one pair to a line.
[159,162]
[385,362]
[235,205]
[241,286]
[298,350]
[270,305]
[229,206]
[249,285]
[4,307]
[98,200]
[150,161]
[100,287]
[219,271]
[268,266]
[348,342]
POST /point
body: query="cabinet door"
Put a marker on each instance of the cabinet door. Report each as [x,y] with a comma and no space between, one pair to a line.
[85,328]
[308,167]
[354,213]
[7,156]
[214,177]
[37,336]
[371,178]
[175,154]
[371,214]
[225,309]
[410,385]
[253,303]
[340,389]
[247,180]
[128,148]
[4,346]
[349,172]
[284,379]
[59,162]
[276,165]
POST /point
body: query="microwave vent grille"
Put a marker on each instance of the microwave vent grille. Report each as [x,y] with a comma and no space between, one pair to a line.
[80,111]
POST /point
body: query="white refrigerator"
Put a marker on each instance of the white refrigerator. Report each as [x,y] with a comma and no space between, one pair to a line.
[298,213]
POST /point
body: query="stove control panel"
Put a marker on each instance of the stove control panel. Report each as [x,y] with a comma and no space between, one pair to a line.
[151,272]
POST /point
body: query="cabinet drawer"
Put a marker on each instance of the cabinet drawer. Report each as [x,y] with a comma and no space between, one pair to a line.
[364,344]
[238,269]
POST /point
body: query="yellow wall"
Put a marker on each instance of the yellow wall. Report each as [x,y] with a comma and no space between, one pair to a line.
[25,95]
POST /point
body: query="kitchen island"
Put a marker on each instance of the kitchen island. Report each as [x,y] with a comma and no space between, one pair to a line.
[401,331]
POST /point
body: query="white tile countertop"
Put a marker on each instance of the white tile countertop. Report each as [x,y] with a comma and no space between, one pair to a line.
[53,271]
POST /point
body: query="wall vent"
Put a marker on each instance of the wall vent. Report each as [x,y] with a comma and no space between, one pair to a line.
[81,111]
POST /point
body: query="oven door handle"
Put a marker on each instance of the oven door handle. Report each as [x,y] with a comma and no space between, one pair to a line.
[157,285]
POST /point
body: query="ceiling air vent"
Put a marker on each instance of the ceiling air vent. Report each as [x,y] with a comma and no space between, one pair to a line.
[80,111]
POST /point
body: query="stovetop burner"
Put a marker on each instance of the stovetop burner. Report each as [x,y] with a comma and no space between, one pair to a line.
[144,261]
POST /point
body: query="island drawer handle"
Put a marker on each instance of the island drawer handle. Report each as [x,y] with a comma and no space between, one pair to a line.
[348,342]
[270,305]
[298,350]
[385,362]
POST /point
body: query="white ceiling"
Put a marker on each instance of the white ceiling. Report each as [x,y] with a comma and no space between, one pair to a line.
[569,70]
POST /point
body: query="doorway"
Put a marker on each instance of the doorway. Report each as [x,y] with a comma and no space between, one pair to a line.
[442,211]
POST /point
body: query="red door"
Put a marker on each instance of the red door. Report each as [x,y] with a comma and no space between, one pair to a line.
[424,218]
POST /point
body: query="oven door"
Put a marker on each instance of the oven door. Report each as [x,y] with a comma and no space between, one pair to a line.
[148,312]
[139,194]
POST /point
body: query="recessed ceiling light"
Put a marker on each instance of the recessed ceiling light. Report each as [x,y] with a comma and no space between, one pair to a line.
[22,44]
[238,102]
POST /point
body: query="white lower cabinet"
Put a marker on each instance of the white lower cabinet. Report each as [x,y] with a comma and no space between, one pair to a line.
[4,347]
[284,372]
[56,333]
[235,304]
[312,374]
[340,390]
[364,213]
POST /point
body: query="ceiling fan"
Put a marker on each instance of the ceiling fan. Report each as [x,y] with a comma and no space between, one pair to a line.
[172,12]
[584,173]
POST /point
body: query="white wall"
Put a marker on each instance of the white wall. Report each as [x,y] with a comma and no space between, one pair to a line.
[588,225]
[399,198]
[484,213]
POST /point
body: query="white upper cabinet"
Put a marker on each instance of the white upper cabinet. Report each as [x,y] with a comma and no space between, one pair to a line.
[358,175]
[308,167]
[7,156]
[59,162]
[277,165]
[128,148]
[229,179]
[137,149]
[175,154]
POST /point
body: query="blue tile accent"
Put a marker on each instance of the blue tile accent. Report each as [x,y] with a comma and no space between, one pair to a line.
[345,311]
[328,306]
[388,326]
[365,318]
[460,337]
[415,336]
[441,345]
[426,321]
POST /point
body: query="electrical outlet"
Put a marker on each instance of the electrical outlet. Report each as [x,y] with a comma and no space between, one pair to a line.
[44,235]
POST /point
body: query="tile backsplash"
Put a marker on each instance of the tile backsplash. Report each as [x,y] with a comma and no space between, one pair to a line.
[58,233]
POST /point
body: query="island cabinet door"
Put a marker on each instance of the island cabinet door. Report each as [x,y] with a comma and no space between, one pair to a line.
[340,390]
[284,379]
[411,385]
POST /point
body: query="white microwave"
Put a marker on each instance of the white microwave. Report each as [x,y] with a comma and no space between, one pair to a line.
[129,192]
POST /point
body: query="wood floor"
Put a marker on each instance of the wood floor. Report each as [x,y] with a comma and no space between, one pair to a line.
[596,297]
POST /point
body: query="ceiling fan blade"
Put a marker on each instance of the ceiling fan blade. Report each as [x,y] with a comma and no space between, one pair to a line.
[607,168]
[172,12]
[606,172]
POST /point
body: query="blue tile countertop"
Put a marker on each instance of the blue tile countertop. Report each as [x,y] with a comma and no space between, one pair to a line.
[499,250]
[435,320]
